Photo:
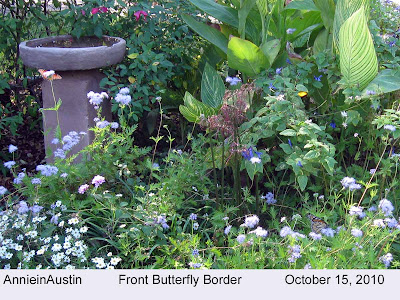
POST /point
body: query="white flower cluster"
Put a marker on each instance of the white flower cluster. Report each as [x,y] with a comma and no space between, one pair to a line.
[123,96]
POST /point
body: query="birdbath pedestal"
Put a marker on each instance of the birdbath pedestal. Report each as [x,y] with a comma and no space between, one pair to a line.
[78,63]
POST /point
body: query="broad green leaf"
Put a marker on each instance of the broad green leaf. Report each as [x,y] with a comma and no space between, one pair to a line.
[387,81]
[304,23]
[243,12]
[246,57]
[344,10]
[302,5]
[302,180]
[327,9]
[322,41]
[288,132]
[358,61]
[207,32]
[271,49]
[194,110]
[212,87]
[223,13]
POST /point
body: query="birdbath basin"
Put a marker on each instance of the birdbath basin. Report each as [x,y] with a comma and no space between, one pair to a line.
[77,61]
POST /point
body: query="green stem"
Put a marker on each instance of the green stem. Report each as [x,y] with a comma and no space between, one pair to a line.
[222,170]
[257,195]
[214,171]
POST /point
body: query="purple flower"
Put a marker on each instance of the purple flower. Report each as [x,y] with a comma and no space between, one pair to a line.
[241,238]
[36,209]
[98,180]
[259,231]
[290,30]
[391,222]
[251,221]
[248,154]
[278,71]
[356,232]
[288,61]
[290,143]
[285,231]
[233,80]
[356,210]
[333,125]
[271,86]
[299,164]
[3,190]
[386,259]
[196,226]
[195,252]
[54,219]
[227,229]
[389,127]
[12,148]
[329,232]
[197,265]
[36,181]
[379,223]
[23,207]
[318,78]
[269,198]
[193,216]
[83,188]
[9,164]
[370,93]
[386,207]
[315,236]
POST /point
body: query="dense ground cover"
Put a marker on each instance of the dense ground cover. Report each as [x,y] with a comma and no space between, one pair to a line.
[246,134]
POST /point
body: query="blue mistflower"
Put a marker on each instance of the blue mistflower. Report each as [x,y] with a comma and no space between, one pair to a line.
[356,232]
[329,232]
[315,236]
[386,259]
[228,229]
[285,231]
[241,238]
[386,207]
[251,221]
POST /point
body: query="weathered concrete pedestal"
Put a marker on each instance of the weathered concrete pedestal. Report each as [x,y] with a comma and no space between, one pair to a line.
[77,62]
[75,112]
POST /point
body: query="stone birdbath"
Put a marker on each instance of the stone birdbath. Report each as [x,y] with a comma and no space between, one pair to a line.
[78,63]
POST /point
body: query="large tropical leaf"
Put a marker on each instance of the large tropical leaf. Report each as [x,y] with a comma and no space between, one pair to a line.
[358,61]
[246,57]
[229,15]
[302,5]
[194,110]
[387,81]
[344,10]
[212,87]
[242,14]
[327,9]
[271,49]
[207,32]
[304,23]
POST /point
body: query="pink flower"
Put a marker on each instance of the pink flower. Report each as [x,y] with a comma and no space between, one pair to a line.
[103,9]
[139,13]
[98,180]
[95,10]
[83,188]
[83,12]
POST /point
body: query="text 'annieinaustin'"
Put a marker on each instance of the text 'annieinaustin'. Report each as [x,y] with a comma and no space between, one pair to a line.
[42,280]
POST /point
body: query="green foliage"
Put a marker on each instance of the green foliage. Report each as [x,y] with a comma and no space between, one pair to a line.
[358,62]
